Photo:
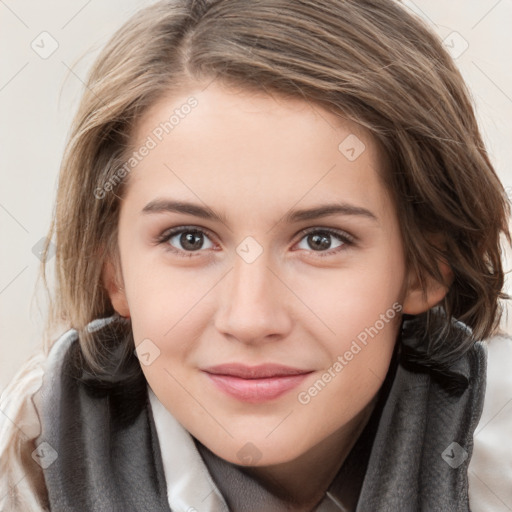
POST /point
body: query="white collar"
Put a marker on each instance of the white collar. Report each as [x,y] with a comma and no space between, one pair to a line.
[189,484]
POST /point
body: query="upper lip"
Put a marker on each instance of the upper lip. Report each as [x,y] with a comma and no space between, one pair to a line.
[254,372]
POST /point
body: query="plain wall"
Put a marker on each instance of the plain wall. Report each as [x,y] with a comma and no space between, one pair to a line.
[39,94]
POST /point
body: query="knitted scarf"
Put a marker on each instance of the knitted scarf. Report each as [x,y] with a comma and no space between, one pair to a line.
[101,448]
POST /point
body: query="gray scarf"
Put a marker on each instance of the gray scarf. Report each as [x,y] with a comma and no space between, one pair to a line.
[413,455]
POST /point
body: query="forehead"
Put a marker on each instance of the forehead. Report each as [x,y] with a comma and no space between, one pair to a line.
[231,147]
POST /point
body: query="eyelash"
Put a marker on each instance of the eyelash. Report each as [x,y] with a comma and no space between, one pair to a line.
[345,238]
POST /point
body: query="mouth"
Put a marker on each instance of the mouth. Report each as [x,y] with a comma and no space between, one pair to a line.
[255,384]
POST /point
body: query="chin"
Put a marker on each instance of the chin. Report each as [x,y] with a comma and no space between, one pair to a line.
[254,453]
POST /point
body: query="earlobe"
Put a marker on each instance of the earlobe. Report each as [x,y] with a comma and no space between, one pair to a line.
[418,300]
[114,285]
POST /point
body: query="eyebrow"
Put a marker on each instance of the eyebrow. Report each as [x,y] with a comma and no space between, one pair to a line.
[167,205]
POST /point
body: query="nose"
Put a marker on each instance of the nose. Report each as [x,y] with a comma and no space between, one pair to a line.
[254,303]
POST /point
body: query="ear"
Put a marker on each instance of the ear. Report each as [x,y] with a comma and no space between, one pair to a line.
[418,300]
[113,282]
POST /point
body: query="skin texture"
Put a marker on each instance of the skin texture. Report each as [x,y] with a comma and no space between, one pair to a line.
[253,158]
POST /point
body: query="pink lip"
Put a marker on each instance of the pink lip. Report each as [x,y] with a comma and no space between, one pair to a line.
[255,383]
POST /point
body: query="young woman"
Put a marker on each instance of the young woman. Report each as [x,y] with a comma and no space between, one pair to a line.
[278,260]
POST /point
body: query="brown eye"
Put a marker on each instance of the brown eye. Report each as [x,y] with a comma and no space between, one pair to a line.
[186,240]
[325,241]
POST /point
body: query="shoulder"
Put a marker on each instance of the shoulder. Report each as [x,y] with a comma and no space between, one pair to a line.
[490,468]
[21,476]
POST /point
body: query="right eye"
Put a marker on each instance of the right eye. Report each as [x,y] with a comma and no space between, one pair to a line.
[185,240]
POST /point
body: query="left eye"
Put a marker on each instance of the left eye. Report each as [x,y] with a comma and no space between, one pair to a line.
[319,241]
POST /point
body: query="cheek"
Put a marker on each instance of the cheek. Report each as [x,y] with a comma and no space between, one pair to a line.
[351,300]
[160,296]
[361,307]
[171,316]
[359,359]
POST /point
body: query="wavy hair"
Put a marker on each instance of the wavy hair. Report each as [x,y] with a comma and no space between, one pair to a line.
[370,61]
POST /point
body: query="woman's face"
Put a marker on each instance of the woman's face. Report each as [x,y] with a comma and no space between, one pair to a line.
[256,231]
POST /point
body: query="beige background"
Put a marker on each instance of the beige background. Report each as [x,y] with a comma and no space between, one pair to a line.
[39,95]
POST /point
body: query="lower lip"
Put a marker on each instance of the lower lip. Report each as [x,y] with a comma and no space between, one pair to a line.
[256,390]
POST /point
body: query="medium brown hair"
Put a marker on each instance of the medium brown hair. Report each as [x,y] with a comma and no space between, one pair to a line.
[369,61]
